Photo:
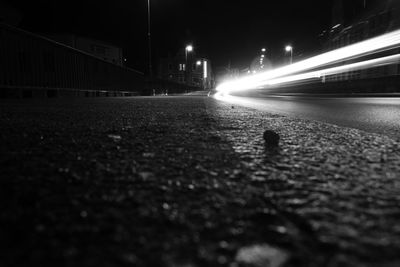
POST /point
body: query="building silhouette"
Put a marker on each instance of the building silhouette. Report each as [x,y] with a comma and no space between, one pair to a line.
[353,21]
[358,20]
[188,69]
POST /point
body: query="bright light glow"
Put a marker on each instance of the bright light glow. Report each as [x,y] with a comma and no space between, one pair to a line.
[288,48]
[198,63]
[335,70]
[189,48]
[205,70]
[263,50]
[369,47]
[262,56]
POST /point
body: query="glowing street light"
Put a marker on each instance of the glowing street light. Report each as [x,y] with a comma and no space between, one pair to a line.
[288,49]
[198,63]
[263,50]
[188,49]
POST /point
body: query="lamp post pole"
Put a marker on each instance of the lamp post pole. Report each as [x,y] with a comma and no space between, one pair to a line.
[149,37]
[188,48]
[289,48]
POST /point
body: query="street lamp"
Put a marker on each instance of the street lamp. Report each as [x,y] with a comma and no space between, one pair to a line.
[288,49]
[263,50]
[188,49]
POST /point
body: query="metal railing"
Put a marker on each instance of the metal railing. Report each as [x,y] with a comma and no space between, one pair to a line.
[30,62]
[157,86]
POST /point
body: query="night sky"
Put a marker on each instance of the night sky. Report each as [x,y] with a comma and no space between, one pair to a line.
[226,31]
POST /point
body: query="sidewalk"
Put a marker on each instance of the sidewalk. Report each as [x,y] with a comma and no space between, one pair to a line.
[188,181]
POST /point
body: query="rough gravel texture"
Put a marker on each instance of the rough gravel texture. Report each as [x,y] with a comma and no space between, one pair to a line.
[189,181]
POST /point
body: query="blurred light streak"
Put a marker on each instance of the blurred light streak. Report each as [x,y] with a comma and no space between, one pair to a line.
[337,70]
[364,48]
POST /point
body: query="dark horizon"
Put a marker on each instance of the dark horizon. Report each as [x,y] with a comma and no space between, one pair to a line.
[227,33]
[219,31]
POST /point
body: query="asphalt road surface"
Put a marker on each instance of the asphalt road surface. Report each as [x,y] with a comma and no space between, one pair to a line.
[190,181]
[371,114]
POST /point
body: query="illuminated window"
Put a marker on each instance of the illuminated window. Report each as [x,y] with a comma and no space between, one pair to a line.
[182,67]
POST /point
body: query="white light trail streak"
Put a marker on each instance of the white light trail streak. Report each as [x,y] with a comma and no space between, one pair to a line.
[291,72]
[330,71]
